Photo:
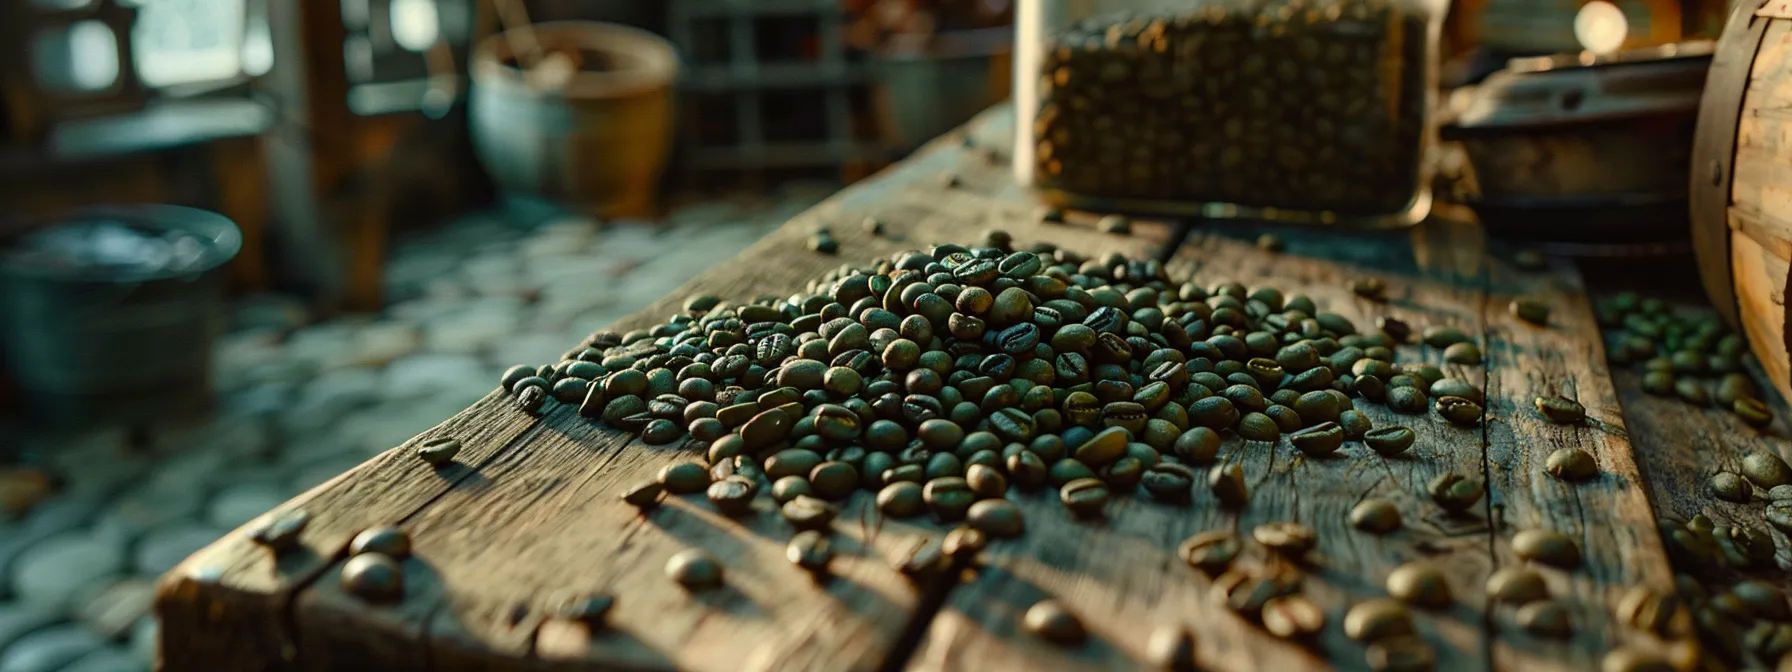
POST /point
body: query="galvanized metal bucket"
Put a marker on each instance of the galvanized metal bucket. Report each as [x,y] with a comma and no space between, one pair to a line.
[89,344]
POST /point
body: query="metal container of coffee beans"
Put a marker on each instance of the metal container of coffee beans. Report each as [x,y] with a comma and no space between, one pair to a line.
[1313,111]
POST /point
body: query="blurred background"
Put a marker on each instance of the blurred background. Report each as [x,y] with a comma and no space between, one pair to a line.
[247,244]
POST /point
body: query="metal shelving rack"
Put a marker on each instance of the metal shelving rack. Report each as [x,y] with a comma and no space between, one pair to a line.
[744,78]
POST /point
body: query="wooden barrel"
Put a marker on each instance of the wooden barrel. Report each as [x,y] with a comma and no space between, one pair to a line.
[1741,191]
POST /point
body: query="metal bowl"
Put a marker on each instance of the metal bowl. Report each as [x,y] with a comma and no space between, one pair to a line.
[1587,153]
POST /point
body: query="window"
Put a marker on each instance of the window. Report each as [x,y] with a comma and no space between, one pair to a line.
[169,43]
[384,47]
[80,57]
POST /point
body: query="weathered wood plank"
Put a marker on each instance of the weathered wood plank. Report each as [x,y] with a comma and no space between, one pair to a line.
[544,516]
[1678,447]
[1123,577]
[225,607]
[1609,516]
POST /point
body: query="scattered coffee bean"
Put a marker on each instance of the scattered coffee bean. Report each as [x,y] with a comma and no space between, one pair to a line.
[1377,516]
[1731,487]
[1454,492]
[1530,310]
[1459,411]
[1390,441]
[1546,546]
[732,496]
[695,569]
[901,499]
[1292,617]
[1171,648]
[388,541]
[1087,497]
[1227,483]
[281,532]
[810,550]
[1115,224]
[1420,584]
[684,478]
[1377,619]
[1516,586]
[997,518]
[808,513]
[948,497]
[791,487]
[1766,470]
[1571,464]
[1779,515]
[1546,618]
[1049,620]
[644,495]
[1561,410]
[1211,552]
[1320,440]
[373,577]
[1752,411]
[1289,539]
[438,451]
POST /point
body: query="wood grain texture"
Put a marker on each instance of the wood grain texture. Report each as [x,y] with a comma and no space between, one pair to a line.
[1609,516]
[1678,446]
[1760,217]
[1761,278]
[238,587]
[541,515]
[1123,576]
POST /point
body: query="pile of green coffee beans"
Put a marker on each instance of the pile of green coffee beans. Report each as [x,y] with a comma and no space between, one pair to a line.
[1698,360]
[939,380]
[1040,366]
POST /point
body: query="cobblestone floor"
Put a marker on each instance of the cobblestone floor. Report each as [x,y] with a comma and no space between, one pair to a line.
[301,402]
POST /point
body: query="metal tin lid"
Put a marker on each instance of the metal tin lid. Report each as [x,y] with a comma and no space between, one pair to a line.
[1583,88]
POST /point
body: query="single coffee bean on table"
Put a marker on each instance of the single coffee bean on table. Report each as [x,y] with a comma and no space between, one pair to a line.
[1454,492]
[1516,586]
[1211,552]
[1420,584]
[1051,621]
[1766,470]
[810,550]
[1377,619]
[1730,487]
[1292,617]
[1390,441]
[1530,310]
[1561,410]
[1171,648]
[1546,546]
[1571,464]
[438,451]
[388,541]
[695,569]
[1376,516]
[281,532]
[373,577]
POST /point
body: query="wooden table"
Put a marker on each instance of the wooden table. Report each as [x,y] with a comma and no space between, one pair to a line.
[532,511]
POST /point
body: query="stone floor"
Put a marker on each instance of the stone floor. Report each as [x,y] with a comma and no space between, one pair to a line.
[302,401]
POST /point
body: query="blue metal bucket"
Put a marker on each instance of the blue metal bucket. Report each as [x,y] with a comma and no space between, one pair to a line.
[103,342]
